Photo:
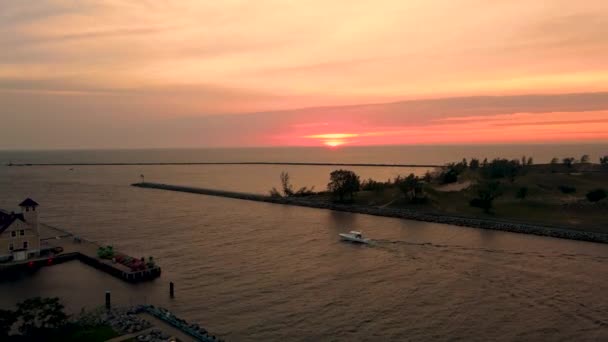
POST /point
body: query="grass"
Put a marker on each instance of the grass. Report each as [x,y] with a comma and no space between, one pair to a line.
[545,202]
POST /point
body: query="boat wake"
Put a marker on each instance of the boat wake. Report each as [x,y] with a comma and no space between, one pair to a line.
[391,244]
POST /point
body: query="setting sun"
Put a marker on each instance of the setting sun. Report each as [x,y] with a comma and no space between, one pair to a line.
[332,139]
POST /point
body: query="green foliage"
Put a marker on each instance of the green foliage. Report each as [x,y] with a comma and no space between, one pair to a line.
[7,319]
[372,185]
[449,176]
[288,190]
[151,263]
[474,164]
[568,161]
[522,192]
[106,252]
[486,194]
[530,161]
[525,161]
[43,319]
[275,193]
[286,185]
[585,159]
[554,161]
[604,160]
[596,195]
[343,184]
[305,191]
[97,333]
[501,168]
[39,314]
[428,177]
[567,189]
[411,187]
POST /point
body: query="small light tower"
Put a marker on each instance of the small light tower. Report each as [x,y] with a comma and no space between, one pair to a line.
[28,209]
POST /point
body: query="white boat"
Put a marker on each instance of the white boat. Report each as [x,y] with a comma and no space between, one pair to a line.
[354,236]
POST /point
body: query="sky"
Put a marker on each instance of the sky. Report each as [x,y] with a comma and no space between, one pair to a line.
[133,74]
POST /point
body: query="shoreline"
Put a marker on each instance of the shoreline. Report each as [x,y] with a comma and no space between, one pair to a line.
[514,227]
[227,163]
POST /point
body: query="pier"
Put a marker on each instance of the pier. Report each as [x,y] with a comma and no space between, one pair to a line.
[59,246]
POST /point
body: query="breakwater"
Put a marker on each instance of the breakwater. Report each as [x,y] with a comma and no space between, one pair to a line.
[191,329]
[228,163]
[515,227]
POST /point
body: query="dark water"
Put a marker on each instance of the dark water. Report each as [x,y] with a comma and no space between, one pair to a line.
[252,271]
[426,154]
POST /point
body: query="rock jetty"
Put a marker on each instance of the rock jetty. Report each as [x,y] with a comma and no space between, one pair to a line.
[409,214]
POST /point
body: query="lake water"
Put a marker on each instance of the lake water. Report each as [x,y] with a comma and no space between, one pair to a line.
[251,271]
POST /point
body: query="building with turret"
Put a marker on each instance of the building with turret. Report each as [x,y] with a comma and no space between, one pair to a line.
[19,233]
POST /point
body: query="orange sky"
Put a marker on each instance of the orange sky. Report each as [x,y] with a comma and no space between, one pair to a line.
[518,127]
[71,68]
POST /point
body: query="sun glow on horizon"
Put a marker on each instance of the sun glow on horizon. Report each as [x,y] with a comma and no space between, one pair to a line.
[332,139]
[334,143]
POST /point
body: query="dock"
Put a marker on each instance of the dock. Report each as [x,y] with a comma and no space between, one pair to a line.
[72,247]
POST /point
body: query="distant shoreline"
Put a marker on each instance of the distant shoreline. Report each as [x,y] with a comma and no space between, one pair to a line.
[409,214]
[227,163]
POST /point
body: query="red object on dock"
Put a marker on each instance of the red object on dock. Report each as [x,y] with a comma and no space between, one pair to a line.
[30,264]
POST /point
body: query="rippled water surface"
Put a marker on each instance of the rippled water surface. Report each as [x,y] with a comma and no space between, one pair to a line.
[252,271]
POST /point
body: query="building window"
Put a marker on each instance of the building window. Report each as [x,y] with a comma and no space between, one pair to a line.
[22,232]
[13,233]
[27,208]
[25,244]
[10,247]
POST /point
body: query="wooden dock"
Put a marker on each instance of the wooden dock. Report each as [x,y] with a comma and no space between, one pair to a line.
[76,248]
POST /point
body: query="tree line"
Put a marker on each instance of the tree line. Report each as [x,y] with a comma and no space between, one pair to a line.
[344,184]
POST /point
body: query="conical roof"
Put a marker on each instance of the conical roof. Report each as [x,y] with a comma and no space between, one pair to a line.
[28,202]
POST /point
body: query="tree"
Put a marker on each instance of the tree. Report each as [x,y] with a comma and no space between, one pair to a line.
[501,168]
[372,185]
[522,193]
[305,191]
[286,185]
[530,161]
[428,177]
[486,194]
[568,162]
[343,183]
[585,159]
[474,164]
[275,193]
[554,161]
[464,163]
[449,176]
[604,160]
[596,195]
[38,314]
[7,319]
[408,186]
[485,162]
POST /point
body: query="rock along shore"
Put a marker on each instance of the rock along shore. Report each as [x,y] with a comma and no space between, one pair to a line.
[394,212]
